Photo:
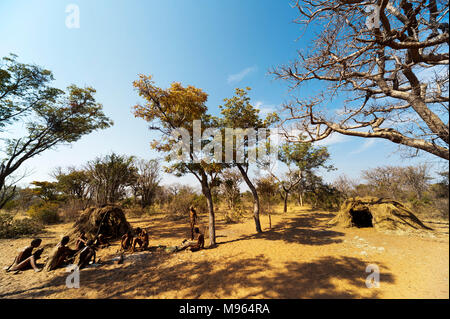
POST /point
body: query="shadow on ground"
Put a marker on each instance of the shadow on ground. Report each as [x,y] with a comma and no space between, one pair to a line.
[327,277]
[306,229]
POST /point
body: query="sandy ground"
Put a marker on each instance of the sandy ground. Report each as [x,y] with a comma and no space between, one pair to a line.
[300,257]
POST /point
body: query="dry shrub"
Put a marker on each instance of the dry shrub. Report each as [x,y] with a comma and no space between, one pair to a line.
[12,228]
[234,216]
[71,210]
[135,212]
[44,212]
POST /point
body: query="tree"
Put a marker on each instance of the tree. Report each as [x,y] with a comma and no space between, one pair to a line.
[47,191]
[74,183]
[50,116]
[395,181]
[416,178]
[238,113]
[267,188]
[345,185]
[383,181]
[147,181]
[179,109]
[110,176]
[390,68]
[229,187]
[301,159]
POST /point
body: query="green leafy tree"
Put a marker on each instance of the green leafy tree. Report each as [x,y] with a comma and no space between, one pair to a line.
[301,159]
[73,183]
[47,191]
[239,113]
[51,117]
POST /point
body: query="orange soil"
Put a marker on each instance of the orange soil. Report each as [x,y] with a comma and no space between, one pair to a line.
[300,257]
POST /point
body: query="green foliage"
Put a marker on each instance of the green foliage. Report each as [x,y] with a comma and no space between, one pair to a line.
[74,183]
[49,115]
[324,196]
[45,212]
[47,191]
[109,176]
[12,228]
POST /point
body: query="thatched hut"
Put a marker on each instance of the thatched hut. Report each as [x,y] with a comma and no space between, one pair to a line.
[379,213]
[110,221]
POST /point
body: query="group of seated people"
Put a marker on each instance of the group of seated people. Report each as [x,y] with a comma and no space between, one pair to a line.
[85,250]
[129,241]
[61,255]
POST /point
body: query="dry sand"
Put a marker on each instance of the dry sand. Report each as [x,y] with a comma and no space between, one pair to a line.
[300,257]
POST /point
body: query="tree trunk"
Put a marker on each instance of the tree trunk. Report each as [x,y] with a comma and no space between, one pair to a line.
[285,201]
[256,206]
[212,225]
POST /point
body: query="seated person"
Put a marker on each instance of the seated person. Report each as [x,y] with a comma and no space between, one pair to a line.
[193,245]
[101,241]
[26,259]
[85,255]
[60,256]
[141,239]
[127,241]
[81,241]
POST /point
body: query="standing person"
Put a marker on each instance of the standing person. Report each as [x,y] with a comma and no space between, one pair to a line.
[26,259]
[192,220]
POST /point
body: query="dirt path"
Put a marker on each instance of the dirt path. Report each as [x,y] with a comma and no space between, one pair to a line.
[298,258]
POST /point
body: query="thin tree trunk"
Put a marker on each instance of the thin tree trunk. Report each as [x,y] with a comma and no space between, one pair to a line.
[212,224]
[256,206]
[285,201]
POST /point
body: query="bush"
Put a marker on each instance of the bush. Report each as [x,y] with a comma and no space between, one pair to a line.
[135,212]
[234,216]
[45,212]
[12,228]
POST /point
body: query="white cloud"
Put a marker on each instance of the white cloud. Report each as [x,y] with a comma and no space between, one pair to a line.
[333,139]
[367,144]
[264,109]
[238,77]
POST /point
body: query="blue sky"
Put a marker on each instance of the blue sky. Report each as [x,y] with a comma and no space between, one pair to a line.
[215,45]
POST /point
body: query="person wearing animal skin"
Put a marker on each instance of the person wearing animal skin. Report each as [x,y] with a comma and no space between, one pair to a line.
[61,255]
[84,256]
[192,220]
[193,245]
[127,241]
[26,259]
[141,239]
